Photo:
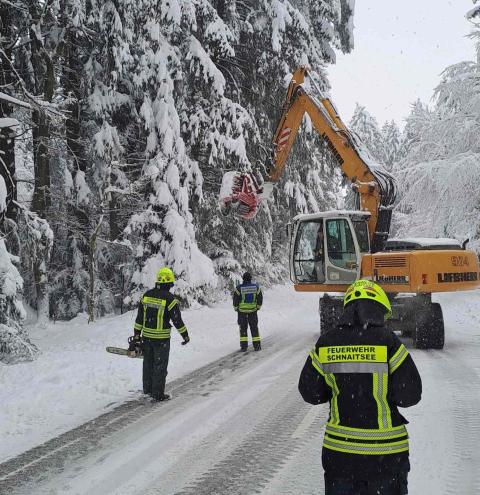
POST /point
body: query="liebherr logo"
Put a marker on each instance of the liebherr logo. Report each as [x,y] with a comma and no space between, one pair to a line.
[457,277]
[391,279]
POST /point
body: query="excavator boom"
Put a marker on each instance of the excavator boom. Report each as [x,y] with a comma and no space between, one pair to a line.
[374,186]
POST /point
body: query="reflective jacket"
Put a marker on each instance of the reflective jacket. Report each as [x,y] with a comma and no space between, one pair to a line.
[156,309]
[247,298]
[366,373]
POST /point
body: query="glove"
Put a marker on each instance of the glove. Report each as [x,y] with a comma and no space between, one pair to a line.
[186,340]
[135,343]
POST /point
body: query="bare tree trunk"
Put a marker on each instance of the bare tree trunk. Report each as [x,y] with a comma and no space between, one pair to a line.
[44,76]
[71,83]
[7,134]
[114,225]
[91,273]
[91,269]
[41,139]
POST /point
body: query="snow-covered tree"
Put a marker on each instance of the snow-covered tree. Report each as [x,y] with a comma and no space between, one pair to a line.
[392,143]
[164,233]
[132,111]
[440,171]
[366,126]
[272,39]
[14,343]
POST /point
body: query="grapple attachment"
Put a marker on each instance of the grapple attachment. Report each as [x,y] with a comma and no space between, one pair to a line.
[240,194]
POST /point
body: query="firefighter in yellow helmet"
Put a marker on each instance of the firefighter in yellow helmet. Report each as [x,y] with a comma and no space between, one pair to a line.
[363,370]
[157,308]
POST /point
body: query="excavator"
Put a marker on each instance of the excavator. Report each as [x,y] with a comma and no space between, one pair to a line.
[330,250]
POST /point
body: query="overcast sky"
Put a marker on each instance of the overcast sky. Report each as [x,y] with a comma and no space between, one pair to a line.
[400,50]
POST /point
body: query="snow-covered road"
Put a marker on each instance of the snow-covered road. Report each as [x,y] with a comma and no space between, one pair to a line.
[445,426]
[238,425]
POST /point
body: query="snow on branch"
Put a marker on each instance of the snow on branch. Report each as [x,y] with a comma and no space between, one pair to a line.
[3,195]
[14,101]
[210,72]
[8,122]
[475,12]
[280,22]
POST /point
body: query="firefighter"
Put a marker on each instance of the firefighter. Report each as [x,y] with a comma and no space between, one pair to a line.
[363,370]
[247,300]
[156,309]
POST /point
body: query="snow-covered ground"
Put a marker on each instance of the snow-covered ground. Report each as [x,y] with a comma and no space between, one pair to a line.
[74,379]
[245,412]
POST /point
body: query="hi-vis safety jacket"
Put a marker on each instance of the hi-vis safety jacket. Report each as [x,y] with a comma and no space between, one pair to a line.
[247,298]
[155,310]
[366,373]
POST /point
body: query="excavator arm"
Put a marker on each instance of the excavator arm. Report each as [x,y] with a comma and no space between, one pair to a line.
[375,187]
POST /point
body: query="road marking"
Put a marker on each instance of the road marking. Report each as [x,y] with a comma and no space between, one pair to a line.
[311,416]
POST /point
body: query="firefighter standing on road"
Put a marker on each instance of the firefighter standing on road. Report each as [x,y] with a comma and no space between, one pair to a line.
[152,328]
[366,373]
[247,300]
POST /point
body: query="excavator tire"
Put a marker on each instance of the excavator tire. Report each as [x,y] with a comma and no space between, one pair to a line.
[429,327]
[403,318]
[407,325]
[330,310]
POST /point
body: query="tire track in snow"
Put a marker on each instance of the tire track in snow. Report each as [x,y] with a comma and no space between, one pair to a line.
[253,463]
[303,473]
[456,390]
[460,367]
[465,384]
[42,462]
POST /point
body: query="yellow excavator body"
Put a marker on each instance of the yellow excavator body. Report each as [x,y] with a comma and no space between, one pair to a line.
[419,272]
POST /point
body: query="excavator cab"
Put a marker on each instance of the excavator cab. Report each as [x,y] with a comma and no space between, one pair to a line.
[327,248]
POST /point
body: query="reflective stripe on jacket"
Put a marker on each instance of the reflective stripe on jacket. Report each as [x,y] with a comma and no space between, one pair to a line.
[156,310]
[372,360]
[247,298]
[365,373]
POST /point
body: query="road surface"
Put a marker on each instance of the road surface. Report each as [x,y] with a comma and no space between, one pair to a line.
[239,427]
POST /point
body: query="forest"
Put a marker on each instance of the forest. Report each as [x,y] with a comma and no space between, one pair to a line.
[118,120]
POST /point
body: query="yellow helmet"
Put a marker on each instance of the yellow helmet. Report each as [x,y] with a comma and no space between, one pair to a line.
[366,289]
[165,276]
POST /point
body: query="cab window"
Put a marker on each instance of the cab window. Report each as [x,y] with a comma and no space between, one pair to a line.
[361,231]
[340,245]
[304,253]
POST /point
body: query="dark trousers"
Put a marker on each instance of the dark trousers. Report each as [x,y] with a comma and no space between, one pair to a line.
[155,363]
[394,485]
[244,321]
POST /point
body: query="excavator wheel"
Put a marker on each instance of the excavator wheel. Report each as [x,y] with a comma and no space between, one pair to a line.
[403,315]
[429,327]
[330,310]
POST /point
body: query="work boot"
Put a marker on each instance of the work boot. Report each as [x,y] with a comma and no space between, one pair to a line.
[161,398]
[257,347]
